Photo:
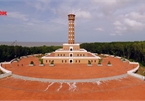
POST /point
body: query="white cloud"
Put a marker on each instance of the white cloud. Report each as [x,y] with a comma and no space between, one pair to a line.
[136,16]
[121,28]
[108,2]
[30,24]
[117,23]
[117,32]
[109,7]
[132,23]
[99,29]
[78,8]
[44,1]
[141,8]
[82,14]
[17,15]
[50,16]
[39,4]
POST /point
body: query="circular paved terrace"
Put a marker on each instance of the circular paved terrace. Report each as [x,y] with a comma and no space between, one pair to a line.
[82,82]
[70,71]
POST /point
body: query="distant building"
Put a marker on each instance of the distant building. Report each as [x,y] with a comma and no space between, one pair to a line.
[71,52]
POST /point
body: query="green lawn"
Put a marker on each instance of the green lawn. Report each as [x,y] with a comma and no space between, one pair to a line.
[1,72]
[141,71]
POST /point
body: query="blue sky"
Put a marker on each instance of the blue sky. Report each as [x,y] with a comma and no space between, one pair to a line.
[96,20]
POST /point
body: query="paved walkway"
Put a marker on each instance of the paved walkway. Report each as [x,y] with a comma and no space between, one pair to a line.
[67,80]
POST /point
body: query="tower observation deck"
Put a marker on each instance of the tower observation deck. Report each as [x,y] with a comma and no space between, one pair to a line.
[71,37]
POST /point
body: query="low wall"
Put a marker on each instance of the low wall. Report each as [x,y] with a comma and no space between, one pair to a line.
[6,72]
[5,63]
[132,72]
[5,75]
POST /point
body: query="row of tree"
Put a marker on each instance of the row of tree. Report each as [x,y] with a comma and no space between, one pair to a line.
[130,50]
[8,53]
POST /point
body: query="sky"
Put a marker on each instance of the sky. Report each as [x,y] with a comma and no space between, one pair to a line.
[96,20]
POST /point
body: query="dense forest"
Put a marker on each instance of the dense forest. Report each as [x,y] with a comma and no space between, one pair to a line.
[129,50]
[8,53]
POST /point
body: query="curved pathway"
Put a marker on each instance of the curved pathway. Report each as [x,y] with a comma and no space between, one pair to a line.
[67,80]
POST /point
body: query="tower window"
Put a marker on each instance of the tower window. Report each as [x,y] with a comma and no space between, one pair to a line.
[71,61]
[70,55]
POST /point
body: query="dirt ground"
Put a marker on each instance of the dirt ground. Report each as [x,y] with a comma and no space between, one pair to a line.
[128,88]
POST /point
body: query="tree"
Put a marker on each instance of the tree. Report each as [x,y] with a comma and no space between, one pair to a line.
[100,61]
[41,61]
[32,62]
[52,62]
[109,63]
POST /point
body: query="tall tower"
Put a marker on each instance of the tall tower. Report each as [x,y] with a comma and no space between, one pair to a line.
[71,18]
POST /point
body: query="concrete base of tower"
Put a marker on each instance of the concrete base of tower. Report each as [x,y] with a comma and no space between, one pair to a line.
[71,54]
